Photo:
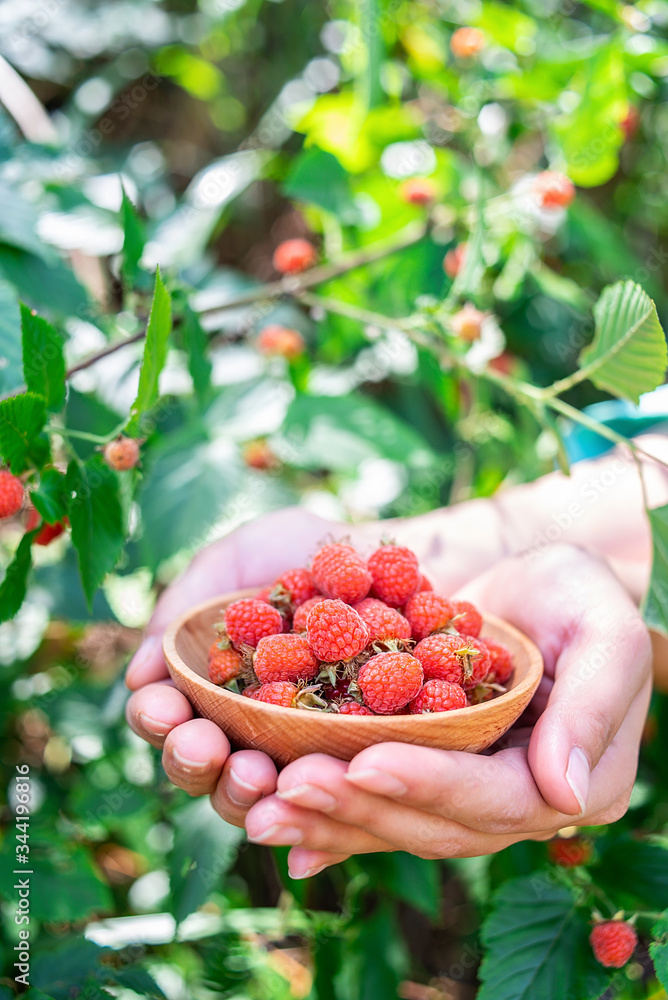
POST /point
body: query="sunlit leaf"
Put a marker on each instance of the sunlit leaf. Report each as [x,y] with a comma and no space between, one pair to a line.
[43,358]
[155,354]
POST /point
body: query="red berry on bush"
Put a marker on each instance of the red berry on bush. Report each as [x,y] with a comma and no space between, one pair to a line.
[340,572]
[122,454]
[438,696]
[284,657]
[335,631]
[553,189]
[388,681]
[248,620]
[569,852]
[224,664]
[280,340]
[454,260]
[467,42]
[613,942]
[258,455]
[417,191]
[395,573]
[49,532]
[11,494]
[293,256]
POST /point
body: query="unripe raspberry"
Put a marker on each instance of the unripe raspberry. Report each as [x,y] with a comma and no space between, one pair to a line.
[501,662]
[438,696]
[569,852]
[384,622]
[301,614]
[552,189]
[354,708]
[11,494]
[467,620]
[467,323]
[258,455]
[293,256]
[454,260]
[613,942]
[388,681]
[428,612]
[280,340]
[224,664]
[122,454]
[341,573]
[335,631]
[395,573]
[467,43]
[284,658]
[417,191]
[49,532]
[281,693]
[248,620]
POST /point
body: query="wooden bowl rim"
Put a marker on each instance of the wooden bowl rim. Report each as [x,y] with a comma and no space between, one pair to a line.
[178,665]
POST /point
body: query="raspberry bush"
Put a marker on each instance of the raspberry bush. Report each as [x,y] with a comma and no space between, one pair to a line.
[374,258]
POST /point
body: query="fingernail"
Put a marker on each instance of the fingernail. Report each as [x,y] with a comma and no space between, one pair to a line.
[186,765]
[279,835]
[152,726]
[376,781]
[577,776]
[309,873]
[144,653]
[241,792]
[310,797]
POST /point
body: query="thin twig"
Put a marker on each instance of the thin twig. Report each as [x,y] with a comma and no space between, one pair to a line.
[104,353]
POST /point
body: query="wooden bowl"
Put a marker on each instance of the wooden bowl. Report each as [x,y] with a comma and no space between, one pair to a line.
[288,733]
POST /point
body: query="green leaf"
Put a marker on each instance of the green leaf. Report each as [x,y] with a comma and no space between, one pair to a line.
[655,602]
[469,277]
[199,860]
[537,945]
[318,177]
[658,950]
[50,499]
[133,241]
[43,358]
[196,344]
[48,286]
[628,354]
[155,353]
[96,516]
[633,873]
[22,420]
[13,587]
[11,366]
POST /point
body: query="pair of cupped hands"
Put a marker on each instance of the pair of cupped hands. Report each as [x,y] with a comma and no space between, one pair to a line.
[571,759]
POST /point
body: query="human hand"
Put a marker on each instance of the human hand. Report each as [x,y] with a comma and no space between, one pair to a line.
[572,760]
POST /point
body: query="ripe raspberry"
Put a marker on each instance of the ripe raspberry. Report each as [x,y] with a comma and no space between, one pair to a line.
[281,693]
[224,664]
[467,620]
[438,696]
[384,622]
[122,454]
[299,585]
[428,612]
[454,260]
[552,189]
[388,681]
[335,631]
[258,455]
[501,662]
[467,323]
[284,658]
[11,494]
[424,584]
[354,708]
[280,340]
[417,191]
[437,654]
[48,532]
[467,43]
[251,690]
[340,573]
[303,611]
[293,256]
[613,942]
[248,620]
[395,573]
[570,852]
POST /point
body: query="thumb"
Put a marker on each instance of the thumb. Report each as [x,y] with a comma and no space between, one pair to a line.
[599,674]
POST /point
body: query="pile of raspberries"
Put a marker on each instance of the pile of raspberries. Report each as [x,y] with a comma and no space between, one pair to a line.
[358,637]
